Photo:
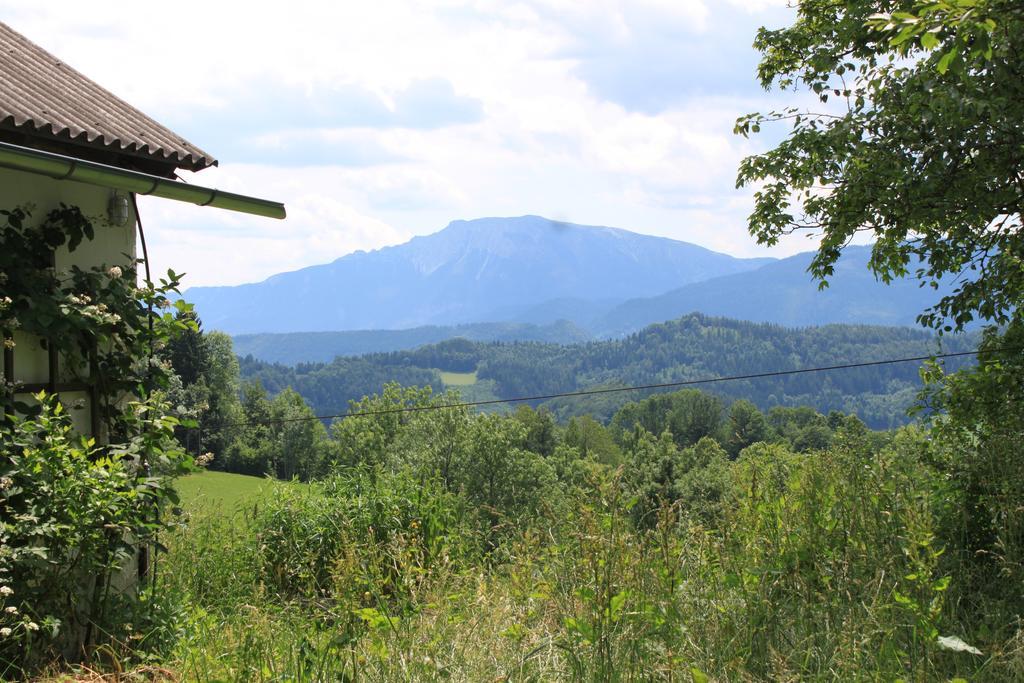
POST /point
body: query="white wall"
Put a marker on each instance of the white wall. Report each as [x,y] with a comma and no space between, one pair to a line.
[113,245]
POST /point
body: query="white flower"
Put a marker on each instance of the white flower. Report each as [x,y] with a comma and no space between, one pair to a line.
[4,632]
[11,610]
[6,590]
[32,626]
[114,272]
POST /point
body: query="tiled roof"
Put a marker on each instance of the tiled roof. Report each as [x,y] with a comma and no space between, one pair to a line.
[45,98]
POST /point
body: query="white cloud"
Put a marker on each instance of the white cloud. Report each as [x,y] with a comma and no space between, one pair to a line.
[593,111]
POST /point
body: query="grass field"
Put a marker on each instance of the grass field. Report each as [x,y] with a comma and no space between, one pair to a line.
[458,379]
[228,491]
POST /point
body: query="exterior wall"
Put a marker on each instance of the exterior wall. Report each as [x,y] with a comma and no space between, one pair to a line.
[112,245]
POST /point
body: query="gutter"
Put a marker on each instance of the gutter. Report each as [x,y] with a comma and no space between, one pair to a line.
[60,167]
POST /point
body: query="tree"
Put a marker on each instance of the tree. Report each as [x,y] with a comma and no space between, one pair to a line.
[703,480]
[507,483]
[746,425]
[694,415]
[689,414]
[592,440]
[207,385]
[975,445]
[250,451]
[540,429]
[920,145]
[187,352]
[221,379]
[654,464]
[299,437]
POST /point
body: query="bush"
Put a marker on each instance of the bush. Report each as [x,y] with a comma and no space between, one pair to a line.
[362,532]
[73,518]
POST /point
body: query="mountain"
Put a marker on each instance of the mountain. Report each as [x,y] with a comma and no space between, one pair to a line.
[783,293]
[291,348]
[489,269]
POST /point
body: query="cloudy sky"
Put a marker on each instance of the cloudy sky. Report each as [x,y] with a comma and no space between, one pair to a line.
[377,121]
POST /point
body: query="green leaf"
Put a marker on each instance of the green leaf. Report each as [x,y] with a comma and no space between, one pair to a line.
[943,66]
[615,606]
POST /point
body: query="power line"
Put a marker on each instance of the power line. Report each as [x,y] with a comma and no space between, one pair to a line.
[611,390]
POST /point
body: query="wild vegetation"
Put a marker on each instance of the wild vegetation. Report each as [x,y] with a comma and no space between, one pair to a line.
[74,513]
[691,537]
[442,544]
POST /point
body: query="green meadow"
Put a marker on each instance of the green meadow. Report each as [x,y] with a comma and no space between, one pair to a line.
[222,490]
[458,379]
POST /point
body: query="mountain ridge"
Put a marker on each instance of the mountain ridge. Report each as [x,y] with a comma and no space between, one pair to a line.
[487,269]
[783,293]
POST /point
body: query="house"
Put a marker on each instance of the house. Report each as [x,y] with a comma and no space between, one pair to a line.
[64,139]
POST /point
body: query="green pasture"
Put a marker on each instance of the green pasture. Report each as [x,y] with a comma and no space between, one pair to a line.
[222,489]
[458,379]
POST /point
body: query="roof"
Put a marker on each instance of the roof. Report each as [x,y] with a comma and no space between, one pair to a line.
[46,101]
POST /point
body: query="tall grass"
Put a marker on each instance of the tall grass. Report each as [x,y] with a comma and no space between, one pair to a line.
[817,567]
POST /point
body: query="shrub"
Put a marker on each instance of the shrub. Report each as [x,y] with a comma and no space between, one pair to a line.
[73,518]
[358,533]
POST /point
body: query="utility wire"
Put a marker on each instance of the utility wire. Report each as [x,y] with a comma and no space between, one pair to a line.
[611,390]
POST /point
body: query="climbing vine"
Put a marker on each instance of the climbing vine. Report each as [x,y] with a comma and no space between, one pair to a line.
[104,324]
[76,510]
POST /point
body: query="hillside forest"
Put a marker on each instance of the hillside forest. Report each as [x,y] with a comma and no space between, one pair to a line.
[694,347]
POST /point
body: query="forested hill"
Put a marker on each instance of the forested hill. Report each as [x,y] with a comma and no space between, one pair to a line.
[693,347]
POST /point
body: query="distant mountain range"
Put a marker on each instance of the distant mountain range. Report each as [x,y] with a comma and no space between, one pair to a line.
[526,269]
[533,279]
[782,292]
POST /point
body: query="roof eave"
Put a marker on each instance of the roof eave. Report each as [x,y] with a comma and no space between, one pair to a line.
[62,167]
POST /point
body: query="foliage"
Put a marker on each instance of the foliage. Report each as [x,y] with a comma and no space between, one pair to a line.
[74,511]
[73,516]
[920,147]
[277,437]
[689,415]
[592,440]
[977,448]
[776,566]
[104,325]
[540,429]
[830,563]
[354,533]
[509,485]
[205,386]
[745,425]
[370,438]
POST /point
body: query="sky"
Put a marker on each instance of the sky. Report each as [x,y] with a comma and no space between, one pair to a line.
[378,121]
